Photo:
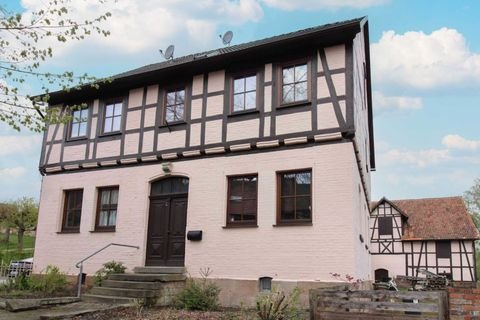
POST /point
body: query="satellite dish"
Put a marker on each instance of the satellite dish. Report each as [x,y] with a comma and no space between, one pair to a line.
[169,52]
[227,38]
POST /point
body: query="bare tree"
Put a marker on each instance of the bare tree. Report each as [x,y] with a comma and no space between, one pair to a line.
[25,44]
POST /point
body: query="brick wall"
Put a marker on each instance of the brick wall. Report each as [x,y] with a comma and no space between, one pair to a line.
[464,303]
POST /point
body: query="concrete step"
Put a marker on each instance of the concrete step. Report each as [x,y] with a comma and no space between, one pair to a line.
[122,292]
[146,277]
[159,270]
[87,297]
[131,284]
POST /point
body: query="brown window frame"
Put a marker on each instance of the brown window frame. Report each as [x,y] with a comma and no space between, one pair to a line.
[74,121]
[104,115]
[111,207]
[293,64]
[241,223]
[385,230]
[243,75]
[441,249]
[165,106]
[294,221]
[67,212]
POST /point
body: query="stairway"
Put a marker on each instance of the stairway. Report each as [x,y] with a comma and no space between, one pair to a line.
[156,284]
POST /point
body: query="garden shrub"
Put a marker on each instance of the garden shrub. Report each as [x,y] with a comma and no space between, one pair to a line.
[108,268]
[276,305]
[51,282]
[198,294]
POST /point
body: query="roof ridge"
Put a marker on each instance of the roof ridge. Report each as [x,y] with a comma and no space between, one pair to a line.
[428,198]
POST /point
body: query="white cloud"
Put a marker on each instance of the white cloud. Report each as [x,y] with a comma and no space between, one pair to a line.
[424,60]
[323,4]
[149,25]
[383,102]
[417,158]
[11,173]
[455,141]
[13,145]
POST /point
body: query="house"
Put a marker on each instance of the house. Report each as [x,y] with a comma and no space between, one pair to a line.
[252,160]
[434,234]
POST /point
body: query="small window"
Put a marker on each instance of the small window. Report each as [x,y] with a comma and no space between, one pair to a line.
[444,250]
[175,106]
[265,284]
[244,93]
[242,200]
[107,208]
[381,275]
[295,83]
[295,196]
[385,226]
[78,125]
[72,210]
[113,117]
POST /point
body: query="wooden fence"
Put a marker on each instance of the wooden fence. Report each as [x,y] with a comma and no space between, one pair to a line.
[328,304]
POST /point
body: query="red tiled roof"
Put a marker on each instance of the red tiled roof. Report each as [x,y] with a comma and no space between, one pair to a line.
[437,218]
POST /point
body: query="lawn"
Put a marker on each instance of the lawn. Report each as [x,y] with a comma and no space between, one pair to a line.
[8,251]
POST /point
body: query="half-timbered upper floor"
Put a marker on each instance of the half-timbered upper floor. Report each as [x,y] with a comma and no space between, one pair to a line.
[306,87]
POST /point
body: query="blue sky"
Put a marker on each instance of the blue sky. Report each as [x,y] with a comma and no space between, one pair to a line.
[425,69]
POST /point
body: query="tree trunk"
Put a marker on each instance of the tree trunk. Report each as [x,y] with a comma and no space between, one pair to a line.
[20,239]
[6,235]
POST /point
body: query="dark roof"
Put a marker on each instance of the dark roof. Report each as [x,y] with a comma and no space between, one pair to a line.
[235,48]
[436,219]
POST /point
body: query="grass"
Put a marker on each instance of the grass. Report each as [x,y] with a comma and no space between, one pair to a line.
[8,251]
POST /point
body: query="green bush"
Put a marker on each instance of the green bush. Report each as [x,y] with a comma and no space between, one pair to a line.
[51,282]
[198,294]
[276,305]
[108,268]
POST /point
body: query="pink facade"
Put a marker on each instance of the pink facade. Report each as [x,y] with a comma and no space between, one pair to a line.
[326,135]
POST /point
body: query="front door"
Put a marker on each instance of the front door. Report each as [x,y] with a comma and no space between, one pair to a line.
[167,222]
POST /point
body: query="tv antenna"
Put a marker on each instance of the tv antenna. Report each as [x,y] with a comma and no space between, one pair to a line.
[168,53]
[227,37]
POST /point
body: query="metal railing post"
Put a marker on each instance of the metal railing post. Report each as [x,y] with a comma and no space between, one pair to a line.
[79,264]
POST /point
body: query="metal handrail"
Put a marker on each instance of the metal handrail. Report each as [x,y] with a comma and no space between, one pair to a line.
[79,264]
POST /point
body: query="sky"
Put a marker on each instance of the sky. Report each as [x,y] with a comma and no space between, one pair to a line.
[425,60]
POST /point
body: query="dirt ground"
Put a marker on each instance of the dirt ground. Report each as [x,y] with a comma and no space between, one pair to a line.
[167,314]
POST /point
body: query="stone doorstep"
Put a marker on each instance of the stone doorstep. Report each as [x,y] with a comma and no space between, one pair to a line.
[159,270]
[147,277]
[14,305]
[123,292]
[132,284]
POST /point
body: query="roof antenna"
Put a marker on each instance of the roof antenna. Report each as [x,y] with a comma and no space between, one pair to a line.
[168,55]
[227,37]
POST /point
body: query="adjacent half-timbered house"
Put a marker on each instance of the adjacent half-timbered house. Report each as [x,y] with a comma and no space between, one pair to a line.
[253,160]
[435,234]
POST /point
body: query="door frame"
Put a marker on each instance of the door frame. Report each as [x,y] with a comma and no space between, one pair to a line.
[157,197]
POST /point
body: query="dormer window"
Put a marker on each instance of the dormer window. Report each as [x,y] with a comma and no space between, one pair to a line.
[244,93]
[294,80]
[78,126]
[175,106]
[113,117]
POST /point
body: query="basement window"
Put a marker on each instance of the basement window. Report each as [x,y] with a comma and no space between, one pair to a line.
[265,284]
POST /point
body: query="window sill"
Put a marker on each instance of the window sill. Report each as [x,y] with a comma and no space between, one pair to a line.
[76,139]
[102,230]
[68,231]
[239,226]
[293,224]
[294,104]
[241,113]
[172,124]
[109,134]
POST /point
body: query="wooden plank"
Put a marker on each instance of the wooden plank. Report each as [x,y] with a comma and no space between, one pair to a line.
[373,306]
[351,316]
[378,294]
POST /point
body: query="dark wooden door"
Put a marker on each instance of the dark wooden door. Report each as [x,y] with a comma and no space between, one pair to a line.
[166,231]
